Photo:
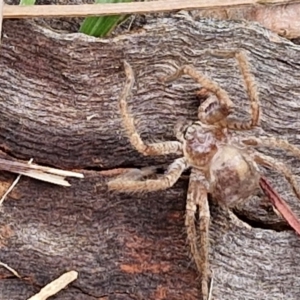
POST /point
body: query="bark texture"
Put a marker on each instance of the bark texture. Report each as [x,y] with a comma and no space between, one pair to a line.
[59,106]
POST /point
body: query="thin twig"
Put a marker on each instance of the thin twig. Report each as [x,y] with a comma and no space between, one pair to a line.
[13,184]
[10,269]
[55,286]
[85,10]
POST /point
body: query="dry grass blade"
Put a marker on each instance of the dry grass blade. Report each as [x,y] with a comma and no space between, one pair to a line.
[13,185]
[47,174]
[85,10]
[280,205]
[10,269]
[55,286]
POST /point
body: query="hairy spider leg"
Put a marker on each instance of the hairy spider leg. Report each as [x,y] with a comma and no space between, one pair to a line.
[272,142]
[162,148]
[217,93]
[280,167]
[167,180]
[197,197]
[252,94]
[222,96]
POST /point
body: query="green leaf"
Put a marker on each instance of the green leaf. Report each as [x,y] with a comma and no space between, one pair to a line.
[102,26]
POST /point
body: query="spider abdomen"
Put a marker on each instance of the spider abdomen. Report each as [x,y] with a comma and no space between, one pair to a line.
[233,176]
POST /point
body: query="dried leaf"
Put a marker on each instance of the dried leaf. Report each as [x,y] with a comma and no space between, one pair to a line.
[281,206]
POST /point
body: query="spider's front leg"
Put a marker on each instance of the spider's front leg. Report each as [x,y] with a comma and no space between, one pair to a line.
[251,89]
[167,180]
[162,148]
[218,106]
[197,197]
[217,96]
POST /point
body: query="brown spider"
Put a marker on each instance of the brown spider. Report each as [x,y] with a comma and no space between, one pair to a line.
[223,166]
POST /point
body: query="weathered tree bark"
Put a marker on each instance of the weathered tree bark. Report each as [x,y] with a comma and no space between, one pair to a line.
[59,106]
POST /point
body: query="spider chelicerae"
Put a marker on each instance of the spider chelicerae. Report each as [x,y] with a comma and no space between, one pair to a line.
[222,165]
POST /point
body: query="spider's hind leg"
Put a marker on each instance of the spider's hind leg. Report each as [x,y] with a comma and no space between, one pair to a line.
[197,197]
[280,167]
[272,142]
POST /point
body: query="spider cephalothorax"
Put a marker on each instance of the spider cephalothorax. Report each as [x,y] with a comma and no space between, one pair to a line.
[221,165]
[200,144]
